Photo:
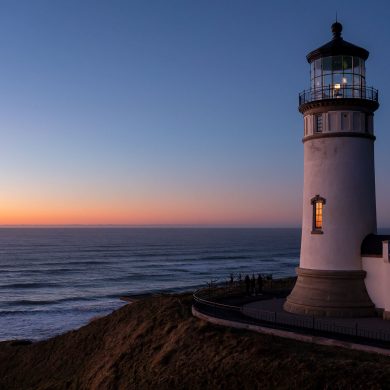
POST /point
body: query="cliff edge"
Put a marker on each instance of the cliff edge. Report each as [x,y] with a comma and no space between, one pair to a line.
[156,343]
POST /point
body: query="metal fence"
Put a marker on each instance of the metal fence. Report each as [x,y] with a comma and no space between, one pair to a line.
[224,288]
[207,301]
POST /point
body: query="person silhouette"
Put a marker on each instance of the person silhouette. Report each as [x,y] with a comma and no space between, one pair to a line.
[260,283]
[253,284]
[247,284]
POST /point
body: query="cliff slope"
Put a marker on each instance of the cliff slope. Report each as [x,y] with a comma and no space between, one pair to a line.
[155,343]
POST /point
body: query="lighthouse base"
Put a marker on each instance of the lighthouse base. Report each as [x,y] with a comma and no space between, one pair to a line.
[330,294]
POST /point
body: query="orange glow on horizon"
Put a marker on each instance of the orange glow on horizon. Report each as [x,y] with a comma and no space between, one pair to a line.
[144,212]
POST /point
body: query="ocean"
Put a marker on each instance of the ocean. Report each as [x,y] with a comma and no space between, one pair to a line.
[56,279]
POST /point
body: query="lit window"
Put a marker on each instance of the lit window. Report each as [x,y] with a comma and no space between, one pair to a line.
[318,221]
[318,208]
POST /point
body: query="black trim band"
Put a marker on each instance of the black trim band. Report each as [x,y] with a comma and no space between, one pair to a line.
[339,104]
[339,134]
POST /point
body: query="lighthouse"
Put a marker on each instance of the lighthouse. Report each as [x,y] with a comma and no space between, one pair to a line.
[339,208]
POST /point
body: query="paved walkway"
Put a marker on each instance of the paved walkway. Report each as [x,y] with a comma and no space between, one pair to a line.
[275,305]
[371,348]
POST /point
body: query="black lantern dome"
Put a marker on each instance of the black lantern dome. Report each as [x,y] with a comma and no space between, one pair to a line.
[337,46]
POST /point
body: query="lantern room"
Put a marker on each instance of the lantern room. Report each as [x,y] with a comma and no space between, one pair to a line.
[338,70]
[338,76]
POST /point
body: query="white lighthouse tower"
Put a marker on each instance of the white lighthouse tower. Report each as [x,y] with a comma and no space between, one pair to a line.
[339,209]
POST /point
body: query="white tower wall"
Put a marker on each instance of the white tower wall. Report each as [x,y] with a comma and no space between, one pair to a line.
[341,170]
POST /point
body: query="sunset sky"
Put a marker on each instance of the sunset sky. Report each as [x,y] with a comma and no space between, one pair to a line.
[169,112]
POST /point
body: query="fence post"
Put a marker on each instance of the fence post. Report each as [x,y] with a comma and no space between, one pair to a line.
[313,321]
[275,316]
[356,328]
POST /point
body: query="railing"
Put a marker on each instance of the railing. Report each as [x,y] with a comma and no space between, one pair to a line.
[222,289]
[341,92]
[205,301]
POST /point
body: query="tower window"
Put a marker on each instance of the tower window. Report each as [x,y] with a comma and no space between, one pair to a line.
[366,123]
[318,123]
[345,121]
[357,121]
[318,208]
[369,123]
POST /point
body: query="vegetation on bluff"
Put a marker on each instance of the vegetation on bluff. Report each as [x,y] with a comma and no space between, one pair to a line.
[156,343]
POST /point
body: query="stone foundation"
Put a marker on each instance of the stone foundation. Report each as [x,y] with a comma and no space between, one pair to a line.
[330,294]
[386,315]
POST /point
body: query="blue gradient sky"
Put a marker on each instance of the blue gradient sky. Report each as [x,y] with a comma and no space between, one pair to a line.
[169,112]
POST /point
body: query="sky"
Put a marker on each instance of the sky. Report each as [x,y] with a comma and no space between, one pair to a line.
[175,112]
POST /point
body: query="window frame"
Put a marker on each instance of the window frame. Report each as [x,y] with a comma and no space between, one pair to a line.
[314,201]
[319,123]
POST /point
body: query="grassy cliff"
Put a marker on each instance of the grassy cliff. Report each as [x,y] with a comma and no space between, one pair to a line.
[155,343]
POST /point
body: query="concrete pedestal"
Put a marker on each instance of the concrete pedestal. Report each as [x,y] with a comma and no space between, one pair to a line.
[330,294]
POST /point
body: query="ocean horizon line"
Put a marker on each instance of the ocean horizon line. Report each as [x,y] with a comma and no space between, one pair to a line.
[167,226]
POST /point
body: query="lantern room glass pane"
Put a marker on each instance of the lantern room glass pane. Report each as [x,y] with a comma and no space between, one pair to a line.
[317,68]
[327,65]
[337,78]
[356,65]
[347,63]
[318,82]
[357,81]
[337,64]
[328,79]
[347,79]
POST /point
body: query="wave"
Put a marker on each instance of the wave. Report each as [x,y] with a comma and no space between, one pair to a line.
[227,257]
[61,311]
[29,285]
[36,302]
[76,262]
[27,271]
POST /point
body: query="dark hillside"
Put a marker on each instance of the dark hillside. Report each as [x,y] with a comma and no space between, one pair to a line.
[155,343]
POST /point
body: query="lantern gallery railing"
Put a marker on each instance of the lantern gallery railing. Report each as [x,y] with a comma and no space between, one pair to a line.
[338,91]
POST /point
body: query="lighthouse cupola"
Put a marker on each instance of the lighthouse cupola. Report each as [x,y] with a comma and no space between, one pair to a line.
[338,71]
[339,208]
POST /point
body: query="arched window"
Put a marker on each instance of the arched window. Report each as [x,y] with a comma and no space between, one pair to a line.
[318,208]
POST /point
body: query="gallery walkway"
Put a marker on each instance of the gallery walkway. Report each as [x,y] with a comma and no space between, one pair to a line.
[268,314]
[372,324]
